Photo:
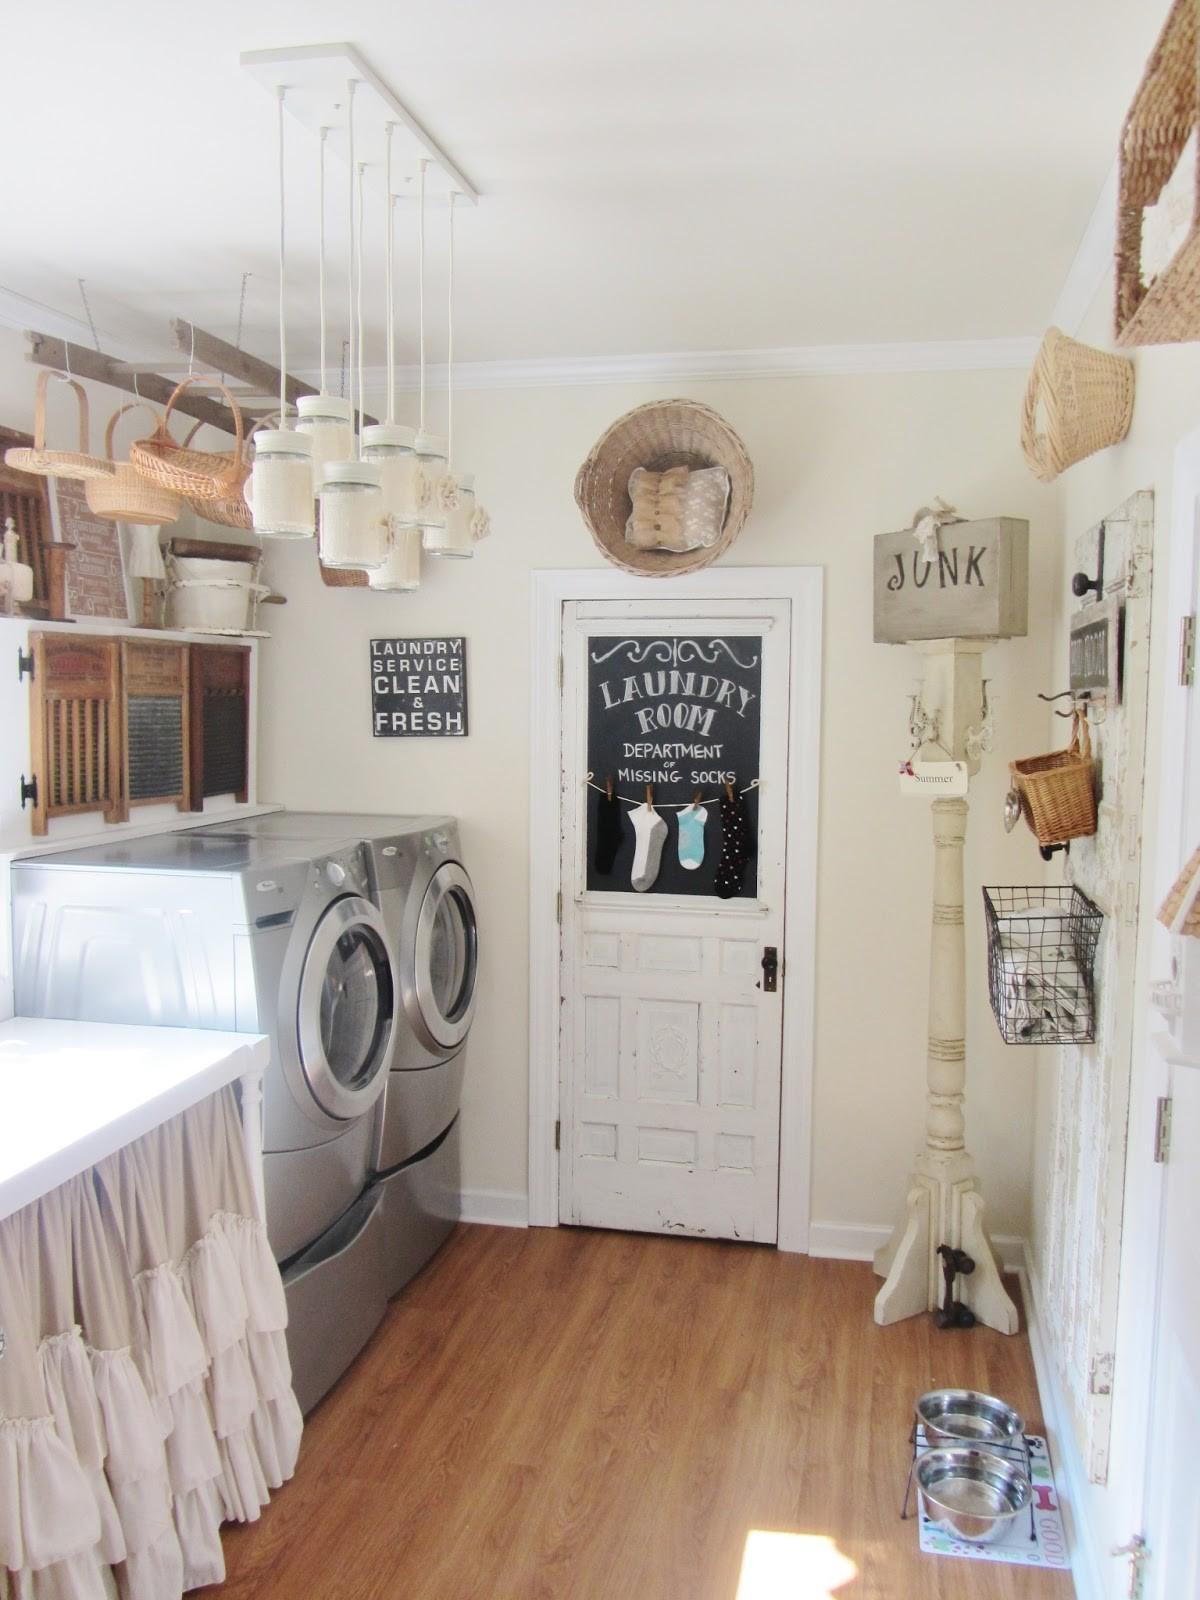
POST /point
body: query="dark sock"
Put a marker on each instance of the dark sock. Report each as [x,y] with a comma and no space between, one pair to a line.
[735,847]
[608,833]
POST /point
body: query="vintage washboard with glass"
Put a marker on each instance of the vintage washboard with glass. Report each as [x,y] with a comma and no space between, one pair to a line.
[219,723]
[75,727]
[154,706]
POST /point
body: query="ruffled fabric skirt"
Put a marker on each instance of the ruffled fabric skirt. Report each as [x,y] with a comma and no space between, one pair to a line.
[145,1388]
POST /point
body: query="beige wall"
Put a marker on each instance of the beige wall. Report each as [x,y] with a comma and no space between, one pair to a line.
[1167,407]
[837,460]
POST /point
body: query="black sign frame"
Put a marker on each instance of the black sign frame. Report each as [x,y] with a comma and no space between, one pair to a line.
[698,698]
[419,688]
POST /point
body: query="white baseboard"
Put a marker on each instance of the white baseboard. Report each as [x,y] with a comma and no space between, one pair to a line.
[501,1208]
[1070,1476]
[858,1241]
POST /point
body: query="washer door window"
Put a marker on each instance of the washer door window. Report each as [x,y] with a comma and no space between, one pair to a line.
[347,1009]
[446,957]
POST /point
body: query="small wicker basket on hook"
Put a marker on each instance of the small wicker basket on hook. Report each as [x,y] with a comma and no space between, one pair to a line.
[661,434]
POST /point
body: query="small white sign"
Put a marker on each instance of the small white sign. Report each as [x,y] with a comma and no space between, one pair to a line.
[933,778]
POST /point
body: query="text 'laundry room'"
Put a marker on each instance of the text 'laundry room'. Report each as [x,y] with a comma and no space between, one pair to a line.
[600,802]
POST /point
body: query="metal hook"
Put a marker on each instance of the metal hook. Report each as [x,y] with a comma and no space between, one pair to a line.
[1063,694]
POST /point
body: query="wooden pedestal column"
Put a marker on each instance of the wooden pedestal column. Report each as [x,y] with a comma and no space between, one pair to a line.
[943,1204]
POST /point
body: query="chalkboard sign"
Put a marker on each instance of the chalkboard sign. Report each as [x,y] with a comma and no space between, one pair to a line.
[419,688]
[682,715]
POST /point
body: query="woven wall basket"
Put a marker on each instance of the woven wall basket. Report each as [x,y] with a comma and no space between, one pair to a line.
[1078,400]
[664,433]
[194,474]
[127,496]
[58,463]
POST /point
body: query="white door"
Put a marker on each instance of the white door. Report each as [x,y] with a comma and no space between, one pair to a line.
[671,1022]
[1086,1177]
[1172,1525]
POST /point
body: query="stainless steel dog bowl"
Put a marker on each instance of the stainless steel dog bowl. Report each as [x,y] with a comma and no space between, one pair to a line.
[972,1494]
[962,1416]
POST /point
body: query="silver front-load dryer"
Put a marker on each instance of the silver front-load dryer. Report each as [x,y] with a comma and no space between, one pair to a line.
[209,929]
[427,903]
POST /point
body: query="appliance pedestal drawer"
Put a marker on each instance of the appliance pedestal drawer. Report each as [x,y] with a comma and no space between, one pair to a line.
[420,1205]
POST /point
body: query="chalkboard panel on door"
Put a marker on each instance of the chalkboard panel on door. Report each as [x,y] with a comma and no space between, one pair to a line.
[683,716]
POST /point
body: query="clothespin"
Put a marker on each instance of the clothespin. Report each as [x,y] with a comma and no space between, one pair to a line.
[650,796]
[608,786]
[696,798]
[729,790]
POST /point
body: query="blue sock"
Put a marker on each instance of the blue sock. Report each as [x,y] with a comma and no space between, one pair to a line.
[691,836]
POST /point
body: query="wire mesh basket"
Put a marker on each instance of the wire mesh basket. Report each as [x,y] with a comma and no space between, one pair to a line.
[1041,955]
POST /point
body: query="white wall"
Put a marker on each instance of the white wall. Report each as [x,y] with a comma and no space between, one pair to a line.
[1166,407]
[837,460]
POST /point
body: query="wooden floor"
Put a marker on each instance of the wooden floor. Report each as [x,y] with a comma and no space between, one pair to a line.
[608,1416]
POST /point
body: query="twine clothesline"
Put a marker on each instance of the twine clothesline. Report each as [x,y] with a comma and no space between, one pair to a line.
[671,805]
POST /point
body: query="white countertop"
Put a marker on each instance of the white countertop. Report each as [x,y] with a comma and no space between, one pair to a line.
[73,1092]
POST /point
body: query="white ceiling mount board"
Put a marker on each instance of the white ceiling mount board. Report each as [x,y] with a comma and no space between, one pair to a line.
[315,78]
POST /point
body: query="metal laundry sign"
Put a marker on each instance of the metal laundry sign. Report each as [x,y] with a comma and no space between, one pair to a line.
[419,688]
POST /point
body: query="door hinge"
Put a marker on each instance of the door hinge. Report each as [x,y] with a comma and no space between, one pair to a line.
[1162,1129]
[558,908]
[1138,1554]
[25,664]
[558,1135]
[1187,651]
[561,672]
[1100,1380]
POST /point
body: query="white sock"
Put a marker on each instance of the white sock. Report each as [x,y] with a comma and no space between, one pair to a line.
[650,834]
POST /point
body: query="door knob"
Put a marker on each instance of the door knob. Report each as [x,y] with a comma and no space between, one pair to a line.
[770,967]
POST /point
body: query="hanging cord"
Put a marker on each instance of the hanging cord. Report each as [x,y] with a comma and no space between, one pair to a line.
[391,318]
[359,310]
[421,284]
[280,93]
[88,313]
[324,134]
[672,805]
[350,343]
[450,333]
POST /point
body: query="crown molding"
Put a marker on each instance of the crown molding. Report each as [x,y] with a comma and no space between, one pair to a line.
[694,366]
[1093,261]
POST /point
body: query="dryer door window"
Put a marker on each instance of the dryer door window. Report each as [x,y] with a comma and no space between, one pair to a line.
[347,1009]
[447,955]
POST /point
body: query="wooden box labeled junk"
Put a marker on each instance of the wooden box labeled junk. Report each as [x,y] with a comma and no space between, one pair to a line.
[155,723]
[976,587]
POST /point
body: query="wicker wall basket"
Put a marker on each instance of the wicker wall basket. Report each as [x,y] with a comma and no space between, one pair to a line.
[1157,126]
[194,474]
[58,463]
[1078,400]
[662,434]
[127,496]
[1058,791]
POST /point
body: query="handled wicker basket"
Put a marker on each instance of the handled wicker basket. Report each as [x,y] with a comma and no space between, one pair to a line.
[127,496]
[1058,791]
[229,509]
[58,463]
[194,474]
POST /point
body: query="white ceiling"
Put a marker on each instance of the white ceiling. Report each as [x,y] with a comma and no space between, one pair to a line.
[656,175]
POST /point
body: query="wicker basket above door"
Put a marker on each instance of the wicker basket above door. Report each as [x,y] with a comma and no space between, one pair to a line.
[662,434]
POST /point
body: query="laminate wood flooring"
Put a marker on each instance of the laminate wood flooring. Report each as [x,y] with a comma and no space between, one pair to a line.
[608,1416]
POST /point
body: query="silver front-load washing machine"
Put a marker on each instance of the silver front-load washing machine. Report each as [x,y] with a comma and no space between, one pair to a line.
[427,903]
[210,929]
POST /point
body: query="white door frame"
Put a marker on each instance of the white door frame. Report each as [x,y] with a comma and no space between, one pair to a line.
[802,586]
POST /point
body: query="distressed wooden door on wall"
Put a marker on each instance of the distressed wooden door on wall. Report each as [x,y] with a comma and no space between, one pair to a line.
[1079,1253]
[671,1022]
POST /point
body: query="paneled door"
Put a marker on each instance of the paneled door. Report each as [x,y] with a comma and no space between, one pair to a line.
[671,1022]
